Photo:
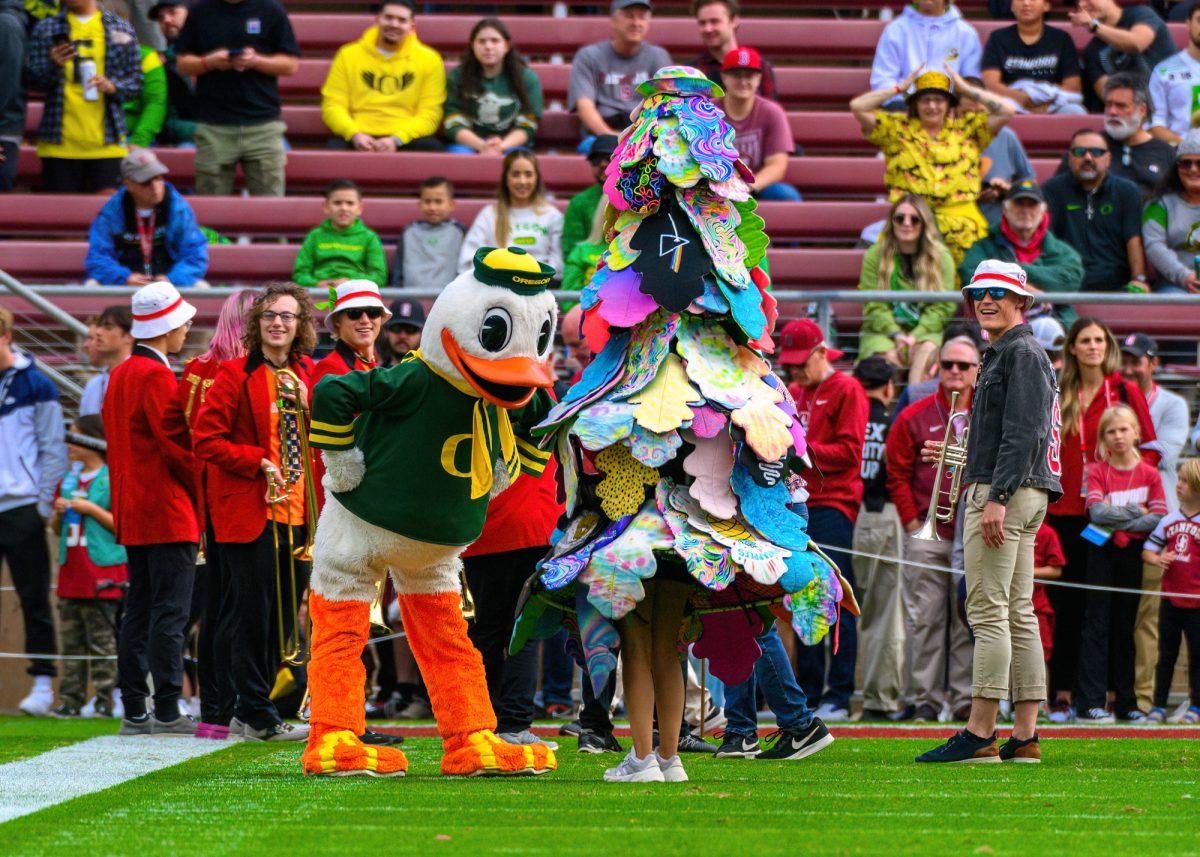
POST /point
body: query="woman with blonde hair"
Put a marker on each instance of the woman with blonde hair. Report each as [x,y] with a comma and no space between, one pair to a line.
[520,217]
[909,256]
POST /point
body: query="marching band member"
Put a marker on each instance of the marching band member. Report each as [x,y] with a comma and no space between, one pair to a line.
[238,435]
[152,481]
[1012,471]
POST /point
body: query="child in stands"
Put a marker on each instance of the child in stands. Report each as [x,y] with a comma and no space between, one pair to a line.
[1048,562]
[427,252]
[91,572]
[342,248]
[1125,502]
[1174,546]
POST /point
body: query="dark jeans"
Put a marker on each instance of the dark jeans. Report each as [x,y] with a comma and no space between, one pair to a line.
[216,637]
[558,671]
[495,581]
[1067,603]
[151,641]
[594,716]
[83,175]
[1174,623]
[256,609]
[23,544]
[8,169]
[12,91]
[835,684]
[784,697]
[1106,648]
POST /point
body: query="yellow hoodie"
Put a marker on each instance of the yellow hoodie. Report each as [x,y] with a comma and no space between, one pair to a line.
[398,96]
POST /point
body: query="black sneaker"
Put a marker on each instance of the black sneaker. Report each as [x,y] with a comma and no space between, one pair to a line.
[738,747]
[380,739]
[794,744]
[690,743]
[964,747]
[1028,751]
[593,742]
[574,727]
[65,710]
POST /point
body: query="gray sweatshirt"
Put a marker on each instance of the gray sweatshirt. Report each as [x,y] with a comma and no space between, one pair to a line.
[427,254]
[1169,414]
[1171,233]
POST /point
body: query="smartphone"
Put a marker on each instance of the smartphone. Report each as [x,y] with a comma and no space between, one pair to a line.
[60,39]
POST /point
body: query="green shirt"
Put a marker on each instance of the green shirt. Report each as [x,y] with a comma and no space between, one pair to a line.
[144,116]
[415,430]
[327,254]
[497,110]
[577,222]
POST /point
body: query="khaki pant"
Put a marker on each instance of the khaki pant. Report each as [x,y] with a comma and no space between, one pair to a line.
[258,148]
[881,624]
[1145,638]
[939,646]
[1000,598]
[86,627]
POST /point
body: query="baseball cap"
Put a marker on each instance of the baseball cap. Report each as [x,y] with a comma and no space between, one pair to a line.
[152,13]
[1139,345]
[747,58]
[141,165]
[1048,333]
[618,5]
[602,147]
[407,313]
[798,340]
[874,372]
[1025,189]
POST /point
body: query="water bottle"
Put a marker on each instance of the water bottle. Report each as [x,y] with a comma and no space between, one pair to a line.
[87,70]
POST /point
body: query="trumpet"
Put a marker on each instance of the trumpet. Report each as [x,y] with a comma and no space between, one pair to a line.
[943,506]
[295,462]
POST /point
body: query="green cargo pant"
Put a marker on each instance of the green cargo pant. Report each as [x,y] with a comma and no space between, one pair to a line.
[86,627]
[258,148]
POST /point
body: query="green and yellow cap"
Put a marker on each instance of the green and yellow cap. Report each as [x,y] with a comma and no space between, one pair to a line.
[512,268]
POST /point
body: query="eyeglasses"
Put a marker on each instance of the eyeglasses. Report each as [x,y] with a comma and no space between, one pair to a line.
[371,312]
[978,293]
[1094,151]
[1188,165]
[270,317]
[902,219]
[960,365]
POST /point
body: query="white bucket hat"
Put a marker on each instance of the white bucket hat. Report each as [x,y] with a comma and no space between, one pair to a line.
[996,274]
[351,294]
[158,308]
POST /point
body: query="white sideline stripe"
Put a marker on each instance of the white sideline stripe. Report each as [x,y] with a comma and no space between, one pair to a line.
[28,785]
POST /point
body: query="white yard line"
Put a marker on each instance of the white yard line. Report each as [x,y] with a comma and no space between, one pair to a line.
[28,785]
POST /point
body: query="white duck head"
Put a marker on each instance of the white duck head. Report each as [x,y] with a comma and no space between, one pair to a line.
[493,327]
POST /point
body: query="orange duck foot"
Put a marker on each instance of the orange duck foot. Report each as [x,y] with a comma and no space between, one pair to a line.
[482,754]
[341,754]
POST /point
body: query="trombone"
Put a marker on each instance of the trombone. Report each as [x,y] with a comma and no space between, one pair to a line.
[295,462]
[943,506]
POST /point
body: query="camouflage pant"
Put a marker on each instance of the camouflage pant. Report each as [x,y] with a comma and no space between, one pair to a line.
[86,628]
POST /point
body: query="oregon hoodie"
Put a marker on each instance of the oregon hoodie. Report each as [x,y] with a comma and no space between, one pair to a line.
[913,39]
[327,254]
[397,96]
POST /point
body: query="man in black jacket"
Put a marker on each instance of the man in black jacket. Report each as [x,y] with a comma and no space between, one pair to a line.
[1012,472]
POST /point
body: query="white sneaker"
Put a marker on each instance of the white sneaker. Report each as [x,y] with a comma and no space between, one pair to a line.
[831,713]
[418,709]
[40,699]
[88,710]
[525,737]
[1096,715]
[635,770]
[672,769]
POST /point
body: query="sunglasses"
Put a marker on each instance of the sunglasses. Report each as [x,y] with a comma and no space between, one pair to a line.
[1094,151]
[371,312]
[978,293]
[903,219]
[960,365]
[1188,165]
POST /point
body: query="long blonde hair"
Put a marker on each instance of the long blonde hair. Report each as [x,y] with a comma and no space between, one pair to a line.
[1068,383]
[1116,414]
[504,199]
[930,254]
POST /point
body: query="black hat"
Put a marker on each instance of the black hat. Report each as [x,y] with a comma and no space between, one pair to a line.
[602,147]
[1139,345]
[1025,189]
[407,313]
[152,13]
[874,372]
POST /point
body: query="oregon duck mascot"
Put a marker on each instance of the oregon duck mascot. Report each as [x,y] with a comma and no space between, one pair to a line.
[413,453]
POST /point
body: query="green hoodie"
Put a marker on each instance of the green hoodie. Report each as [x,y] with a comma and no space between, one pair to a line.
[1058,269]
[329,254]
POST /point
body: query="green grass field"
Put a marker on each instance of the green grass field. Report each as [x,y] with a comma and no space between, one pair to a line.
[860,796]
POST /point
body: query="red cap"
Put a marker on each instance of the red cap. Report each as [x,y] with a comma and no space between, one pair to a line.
[798,340]
[742,58]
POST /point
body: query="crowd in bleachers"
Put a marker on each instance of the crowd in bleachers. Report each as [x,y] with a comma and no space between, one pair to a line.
[1120,215]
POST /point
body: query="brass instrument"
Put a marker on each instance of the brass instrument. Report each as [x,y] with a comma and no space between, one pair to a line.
[467,605]
[954,456]
[295,462]
[377,619]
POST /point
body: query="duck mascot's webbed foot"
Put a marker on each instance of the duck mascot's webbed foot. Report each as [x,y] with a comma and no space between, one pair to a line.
[413,454]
